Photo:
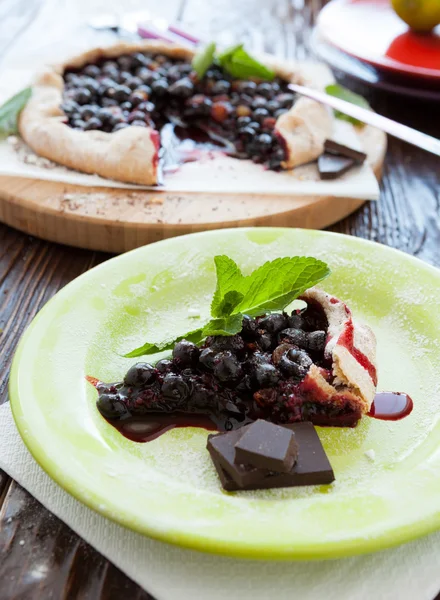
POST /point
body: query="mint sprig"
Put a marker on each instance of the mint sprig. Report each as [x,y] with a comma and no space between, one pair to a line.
[241,65]
[10,111]
[343,93]
[270,288]
[234,60]
[203,59]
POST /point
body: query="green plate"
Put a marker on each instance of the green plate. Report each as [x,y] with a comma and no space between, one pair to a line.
[168,489]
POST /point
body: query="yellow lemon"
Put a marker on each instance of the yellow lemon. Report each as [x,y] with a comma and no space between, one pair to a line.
[421,15]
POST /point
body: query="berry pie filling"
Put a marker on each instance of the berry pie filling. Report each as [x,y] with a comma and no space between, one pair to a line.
[277,367]
[151,90]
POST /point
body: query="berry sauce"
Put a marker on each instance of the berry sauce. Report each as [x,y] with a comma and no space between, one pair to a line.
[391,406]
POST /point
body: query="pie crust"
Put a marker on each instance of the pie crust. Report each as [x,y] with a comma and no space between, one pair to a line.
[351,347]
[131,154]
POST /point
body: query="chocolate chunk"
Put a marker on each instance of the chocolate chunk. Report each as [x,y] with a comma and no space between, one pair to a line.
[331,166]
[267,446]
[335,148]
[221,447]
[312,466]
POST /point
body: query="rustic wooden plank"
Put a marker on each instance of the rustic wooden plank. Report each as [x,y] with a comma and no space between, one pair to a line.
[43,558]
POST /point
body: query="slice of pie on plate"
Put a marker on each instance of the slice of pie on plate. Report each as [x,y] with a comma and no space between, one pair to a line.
[101,112]
[317,364]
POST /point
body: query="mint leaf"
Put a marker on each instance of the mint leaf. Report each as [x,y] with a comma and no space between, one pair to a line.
[276,284]
[225,326]
[203,59]
[10,111]
[229,279]
[228,304]
[344,94]
[194,336]
[238,63]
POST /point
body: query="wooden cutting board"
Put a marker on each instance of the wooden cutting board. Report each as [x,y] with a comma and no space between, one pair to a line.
[116,220]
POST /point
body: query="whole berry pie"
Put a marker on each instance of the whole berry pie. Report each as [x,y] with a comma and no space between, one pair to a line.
[317,364]
[102,112]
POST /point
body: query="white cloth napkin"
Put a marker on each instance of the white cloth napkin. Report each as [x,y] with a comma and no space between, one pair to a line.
[411,571]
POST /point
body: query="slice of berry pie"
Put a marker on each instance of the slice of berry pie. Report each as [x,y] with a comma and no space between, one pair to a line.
[317,364]
[102,112]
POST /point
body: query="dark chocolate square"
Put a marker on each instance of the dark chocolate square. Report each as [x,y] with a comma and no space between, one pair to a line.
[312,466]
[341,150]
[265,445]
[331,166]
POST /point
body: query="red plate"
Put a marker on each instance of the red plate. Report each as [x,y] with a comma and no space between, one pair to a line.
[370,30]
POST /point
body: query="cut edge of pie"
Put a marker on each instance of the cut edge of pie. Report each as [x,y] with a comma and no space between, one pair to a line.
[131,155]
[351,348]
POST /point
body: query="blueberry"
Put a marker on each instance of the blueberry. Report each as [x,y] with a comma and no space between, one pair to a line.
[134,83]
[264,375]
[108,102]
[185,354]
[264,141]
[87,111]
[122,93]
[221,87]
[125,62]
[112,406]
[92,71]
[248,87]
[175,388]
[294,336]
[247,133]
[265,341]
[207,357]
[82,96]
[201,396]
[296,321]
[227,367]
[183,88]
[295,363]
[69,107]
[272,106]
[159,87]
[78,124]
[260,114]
[259,102]
[198,105]
[93,123]
[90,84]
[126,106]
[273,323]
[164,365]
[285,100]
[265,89]
[280,112]
[316,341]
[139,375]
[233,343]
[243,121]
[249,327]
[136,115]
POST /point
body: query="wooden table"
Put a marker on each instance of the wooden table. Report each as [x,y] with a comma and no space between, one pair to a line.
[40,557]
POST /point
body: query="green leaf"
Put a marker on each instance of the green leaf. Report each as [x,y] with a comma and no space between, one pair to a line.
[238,63]
[228,304]
[344,94]
[194,336]
[229,279]
[225,326]
[10,111]
[203,59]
[276,284]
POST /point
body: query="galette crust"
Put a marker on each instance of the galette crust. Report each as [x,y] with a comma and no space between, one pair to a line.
[352,381]
[130,155]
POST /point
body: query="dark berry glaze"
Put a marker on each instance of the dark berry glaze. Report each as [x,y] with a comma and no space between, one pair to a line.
[391,406]
[150,90]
